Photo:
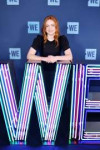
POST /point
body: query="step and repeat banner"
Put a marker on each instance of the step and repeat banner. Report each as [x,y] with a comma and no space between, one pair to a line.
[21,21]
[23,122]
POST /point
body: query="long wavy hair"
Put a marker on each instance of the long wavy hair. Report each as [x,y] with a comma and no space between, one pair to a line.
[57,32]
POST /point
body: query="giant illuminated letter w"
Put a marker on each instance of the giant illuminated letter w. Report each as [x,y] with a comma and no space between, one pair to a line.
[33,89]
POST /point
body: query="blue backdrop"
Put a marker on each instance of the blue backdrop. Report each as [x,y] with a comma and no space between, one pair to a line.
[21,21]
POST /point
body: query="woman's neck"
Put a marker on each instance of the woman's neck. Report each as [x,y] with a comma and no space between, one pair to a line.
[50,37]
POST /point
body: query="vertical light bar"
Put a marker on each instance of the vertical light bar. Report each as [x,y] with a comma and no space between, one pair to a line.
[27,95]
[62,95]
[28,102]
[22,102]
[76,75]
[56,113]
[11,96]
[83,107]
[56,104]
[81,101]
[4,99]
[51,102]
[4,113]
[72,103]
[77,101]
[8,101]
[8,106]
[32,91]
[41,103]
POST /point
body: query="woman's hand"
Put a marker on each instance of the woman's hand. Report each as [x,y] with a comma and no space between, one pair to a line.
[46,59]
[52,59]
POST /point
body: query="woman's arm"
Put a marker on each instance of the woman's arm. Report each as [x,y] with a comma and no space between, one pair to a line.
[67,57]
[31,56]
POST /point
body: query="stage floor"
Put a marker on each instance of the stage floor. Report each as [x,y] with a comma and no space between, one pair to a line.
[68,147]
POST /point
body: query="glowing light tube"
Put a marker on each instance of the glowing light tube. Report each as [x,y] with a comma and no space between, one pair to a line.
[28,90]
[8,102]
[77,101]
[56,103]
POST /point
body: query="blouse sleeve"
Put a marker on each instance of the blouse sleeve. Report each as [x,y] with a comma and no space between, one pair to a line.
[37,43]
[64,43]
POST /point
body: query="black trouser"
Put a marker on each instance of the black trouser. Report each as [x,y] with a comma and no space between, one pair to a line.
[48,82]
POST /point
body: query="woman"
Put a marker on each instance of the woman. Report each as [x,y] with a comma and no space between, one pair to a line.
[50,45]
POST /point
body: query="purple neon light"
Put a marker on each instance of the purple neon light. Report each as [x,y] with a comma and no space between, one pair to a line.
[11,99]
[82,102]
[77,101]
[28,99]
[12,96]
[11,115]
[56,101]
[75,67]
[26,109]
[41,100]
[54,106]
[44,106]
[22,129]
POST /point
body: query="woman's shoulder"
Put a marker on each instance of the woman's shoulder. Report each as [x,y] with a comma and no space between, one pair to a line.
[39,37]
[62,37]
[37,41]
[64,42]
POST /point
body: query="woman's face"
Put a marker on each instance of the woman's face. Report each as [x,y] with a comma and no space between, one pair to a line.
[50,27]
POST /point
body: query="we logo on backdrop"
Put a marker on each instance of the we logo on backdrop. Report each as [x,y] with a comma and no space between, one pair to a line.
[14,53]
[54,2]
[90,54]
[33,26]
[93,3]
[12,2]
[72,27]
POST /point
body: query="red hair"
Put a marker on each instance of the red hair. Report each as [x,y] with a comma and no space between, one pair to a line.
[56,28]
